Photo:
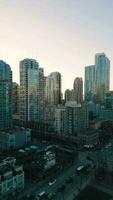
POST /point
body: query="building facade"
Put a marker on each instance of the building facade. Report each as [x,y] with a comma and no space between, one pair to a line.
[89,82]
[15,94]
[15,138]
[89,138]
[31,91]
[106,114]
[53,92]
[78,90]
[76,118]
[11,177]
[109,100]
[68,95]
[71,119]
[102,74]
[5,96]
[60,119]
[53,96]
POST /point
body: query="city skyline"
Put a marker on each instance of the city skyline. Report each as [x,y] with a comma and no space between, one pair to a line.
[59,35]
[56,99]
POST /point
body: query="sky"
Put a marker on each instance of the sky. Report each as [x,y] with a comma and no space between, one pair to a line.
[62,35]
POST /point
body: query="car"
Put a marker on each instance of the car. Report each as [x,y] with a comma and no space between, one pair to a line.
[41,196]
[79,169]
[52,182]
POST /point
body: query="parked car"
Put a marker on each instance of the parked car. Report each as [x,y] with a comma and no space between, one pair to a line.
[52,182]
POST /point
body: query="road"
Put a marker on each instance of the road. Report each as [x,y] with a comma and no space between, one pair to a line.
[36,188]
[70,190]
[73,189]
[79,181]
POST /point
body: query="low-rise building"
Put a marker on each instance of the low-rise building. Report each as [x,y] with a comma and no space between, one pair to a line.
[90,137]
[15,138]
[11,177]
[106,114]
[109,100]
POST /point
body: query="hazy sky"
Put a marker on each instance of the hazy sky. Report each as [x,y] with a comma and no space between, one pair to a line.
[63,35]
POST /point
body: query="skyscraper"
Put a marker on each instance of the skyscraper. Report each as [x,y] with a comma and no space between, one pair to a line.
[89,82]
[53,96]
[102,74]
[15,93]
[5,96]
[78,90]
[31,91]
[53,88]
[68,95]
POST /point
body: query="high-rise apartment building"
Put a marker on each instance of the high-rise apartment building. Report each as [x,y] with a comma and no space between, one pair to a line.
[15,93]
[53,96]
[53,88]
[78,90]
[71,118]
[76,118]
[97,79]
[41,96]
[5,96]
[68,95]
[60,119]
[89,82]
[31,91]
[102,75]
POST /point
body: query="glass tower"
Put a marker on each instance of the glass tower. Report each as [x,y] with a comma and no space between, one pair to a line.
[102,74]
[5,96]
